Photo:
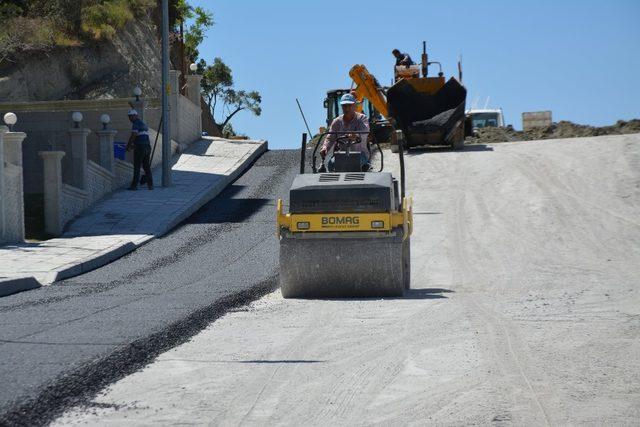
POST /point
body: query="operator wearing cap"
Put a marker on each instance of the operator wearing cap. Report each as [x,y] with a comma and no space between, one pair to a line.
[139,141]
[349,121]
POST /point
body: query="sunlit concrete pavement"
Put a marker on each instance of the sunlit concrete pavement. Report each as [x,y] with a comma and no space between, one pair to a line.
[124,220]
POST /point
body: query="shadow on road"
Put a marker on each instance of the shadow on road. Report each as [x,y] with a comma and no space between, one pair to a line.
[281,361]
[226,208]
[425,293]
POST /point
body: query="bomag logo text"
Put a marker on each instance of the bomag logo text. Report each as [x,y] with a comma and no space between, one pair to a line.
[340,220]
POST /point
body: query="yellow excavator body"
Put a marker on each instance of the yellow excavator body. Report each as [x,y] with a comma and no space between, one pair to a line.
[428,110]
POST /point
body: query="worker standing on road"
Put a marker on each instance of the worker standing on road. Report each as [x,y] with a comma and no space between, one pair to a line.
[139,141]
[349,121]
[402,58]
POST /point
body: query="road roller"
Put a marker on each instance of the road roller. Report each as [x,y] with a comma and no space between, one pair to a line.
[347,231]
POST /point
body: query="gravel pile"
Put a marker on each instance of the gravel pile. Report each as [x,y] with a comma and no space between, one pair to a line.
[563,129]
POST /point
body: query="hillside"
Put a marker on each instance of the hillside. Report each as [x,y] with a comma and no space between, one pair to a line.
[42,61]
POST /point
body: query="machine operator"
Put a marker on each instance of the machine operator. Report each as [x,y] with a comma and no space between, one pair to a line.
[402,58]
[349,121]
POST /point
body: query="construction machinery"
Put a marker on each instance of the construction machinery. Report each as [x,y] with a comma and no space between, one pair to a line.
[427,110]
[346,232]
[485,118]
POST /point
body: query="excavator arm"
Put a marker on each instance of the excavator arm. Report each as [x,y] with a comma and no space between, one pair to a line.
[367,87]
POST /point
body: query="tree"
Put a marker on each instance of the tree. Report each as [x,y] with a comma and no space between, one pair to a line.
[194,35]
[216,79]
[241,100]
[217,85]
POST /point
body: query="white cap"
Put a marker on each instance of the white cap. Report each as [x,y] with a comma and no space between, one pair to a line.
[132,112]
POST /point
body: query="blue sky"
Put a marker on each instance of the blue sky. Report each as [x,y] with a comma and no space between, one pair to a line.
[580,59]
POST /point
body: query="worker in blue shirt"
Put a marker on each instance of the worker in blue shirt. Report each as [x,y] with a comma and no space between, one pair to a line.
[139,141]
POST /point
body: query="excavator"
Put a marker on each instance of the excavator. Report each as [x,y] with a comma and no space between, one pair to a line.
[425,110]
[347,231]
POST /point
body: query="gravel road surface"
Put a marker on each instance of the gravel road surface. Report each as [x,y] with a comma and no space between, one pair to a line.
[60,343]
[525,310]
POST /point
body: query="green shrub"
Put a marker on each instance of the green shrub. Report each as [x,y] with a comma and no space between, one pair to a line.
[23,34]
[141,7]
[9,10]
[44,24]
[103,19]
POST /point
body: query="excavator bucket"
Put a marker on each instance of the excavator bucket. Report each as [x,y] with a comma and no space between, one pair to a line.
[428,110]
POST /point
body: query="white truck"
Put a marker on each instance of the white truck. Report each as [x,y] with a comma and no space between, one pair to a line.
[481,118]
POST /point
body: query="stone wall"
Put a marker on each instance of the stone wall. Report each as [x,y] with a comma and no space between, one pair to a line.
[47,125]
[72,201]
[189,121]
[83,166]
[99,181]
[124,173]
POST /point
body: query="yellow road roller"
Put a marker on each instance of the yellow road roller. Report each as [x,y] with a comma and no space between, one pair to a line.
[347,232]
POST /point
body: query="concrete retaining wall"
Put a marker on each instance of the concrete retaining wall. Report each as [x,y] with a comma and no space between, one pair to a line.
[189,121]
[536,119]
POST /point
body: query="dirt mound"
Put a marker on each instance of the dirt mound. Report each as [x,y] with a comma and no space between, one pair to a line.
[563,129]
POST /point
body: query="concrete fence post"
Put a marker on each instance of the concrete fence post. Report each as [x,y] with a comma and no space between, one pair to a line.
[13,147]
[52,191]
[79,156]
[106,138]
[2,195]
[194,88]
[13,217]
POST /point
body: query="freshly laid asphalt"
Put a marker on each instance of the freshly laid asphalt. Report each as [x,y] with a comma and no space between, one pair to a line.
[61,343]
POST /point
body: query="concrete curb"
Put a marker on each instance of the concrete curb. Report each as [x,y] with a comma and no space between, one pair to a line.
[13,285]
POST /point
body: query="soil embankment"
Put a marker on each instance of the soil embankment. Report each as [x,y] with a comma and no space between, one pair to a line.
[563,129]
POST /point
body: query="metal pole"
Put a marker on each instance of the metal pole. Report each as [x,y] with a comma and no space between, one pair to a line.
[304,118]
[303,150]
[166,91]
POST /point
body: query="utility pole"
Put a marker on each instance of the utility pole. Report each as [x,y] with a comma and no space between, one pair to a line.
[183,68]
[166,91]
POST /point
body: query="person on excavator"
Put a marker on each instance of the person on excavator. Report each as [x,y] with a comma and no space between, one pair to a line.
[402,58]
[349,121]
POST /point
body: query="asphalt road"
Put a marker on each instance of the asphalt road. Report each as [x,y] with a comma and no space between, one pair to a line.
[524,310]
[61,343]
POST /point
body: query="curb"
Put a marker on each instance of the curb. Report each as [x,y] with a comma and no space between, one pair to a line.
[14,285]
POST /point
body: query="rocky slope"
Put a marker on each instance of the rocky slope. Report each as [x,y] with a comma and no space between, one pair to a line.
[108,69]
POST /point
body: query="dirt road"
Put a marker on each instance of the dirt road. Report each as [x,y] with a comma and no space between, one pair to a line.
[525,310]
